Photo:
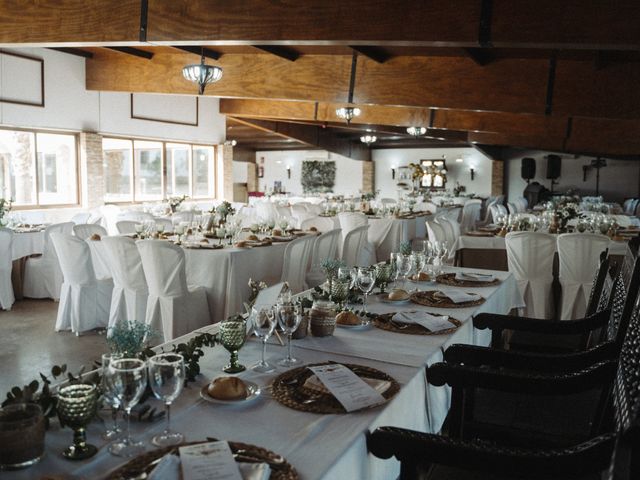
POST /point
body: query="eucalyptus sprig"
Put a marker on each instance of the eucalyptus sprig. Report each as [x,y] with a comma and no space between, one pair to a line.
[405,248]
[331,267]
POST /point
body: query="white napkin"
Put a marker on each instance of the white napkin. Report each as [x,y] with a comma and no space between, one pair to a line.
[457,296]
[474,277]
[169,468]
[433,323]
[380,386]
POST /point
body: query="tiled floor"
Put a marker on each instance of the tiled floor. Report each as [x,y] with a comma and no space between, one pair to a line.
[29,344]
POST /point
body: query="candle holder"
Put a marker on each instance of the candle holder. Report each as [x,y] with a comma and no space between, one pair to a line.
[76,407]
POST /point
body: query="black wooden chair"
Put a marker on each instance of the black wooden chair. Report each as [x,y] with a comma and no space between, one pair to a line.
[614,453]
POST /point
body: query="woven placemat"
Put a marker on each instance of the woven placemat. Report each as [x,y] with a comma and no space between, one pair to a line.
[288,389]
[434,298]
[450,279]
[280,468]
[385,322]
[473,233]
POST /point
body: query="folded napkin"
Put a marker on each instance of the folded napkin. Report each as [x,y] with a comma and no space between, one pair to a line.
[169,468]
[475,277]
[460,297]
[380,386]
[433,323]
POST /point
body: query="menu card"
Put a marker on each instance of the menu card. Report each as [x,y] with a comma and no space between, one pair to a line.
[349,389]
[475,277]
[460,297]
[207,461]
[433,323]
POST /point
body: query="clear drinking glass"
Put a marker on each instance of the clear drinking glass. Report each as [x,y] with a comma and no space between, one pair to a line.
[288,319]
[366,280]
[166,378]
[263,322]
[109,398]
[403,267]
[127,380]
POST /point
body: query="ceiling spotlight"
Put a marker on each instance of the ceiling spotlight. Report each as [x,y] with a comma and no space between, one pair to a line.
[347,113]
[202,74]
[368,139]
[233,143]
[416,131]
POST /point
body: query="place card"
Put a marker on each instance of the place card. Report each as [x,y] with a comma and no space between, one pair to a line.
[351,391]
[209,461]
[433,323]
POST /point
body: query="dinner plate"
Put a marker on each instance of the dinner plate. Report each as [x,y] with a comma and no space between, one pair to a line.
[360,326]
[253,388]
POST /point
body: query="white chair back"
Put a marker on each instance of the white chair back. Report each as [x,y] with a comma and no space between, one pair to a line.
[126,226]
[300,213]
[449,233]
[86,230]
[511,208]
[325,247]
[354,243]
[80,218]
[495,210]
[323,224]
[435,232]
[470,215]
[296,261]
[579,256]
[135,216]
[184,216]
[7,297]
[49,251]
[530,260]
[351,220]
[164,268]
[126,263]
[75,259]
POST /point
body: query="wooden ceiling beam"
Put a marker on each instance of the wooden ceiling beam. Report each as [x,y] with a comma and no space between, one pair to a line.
[73,51]
[279,51]
[324,138]
[207,52]
[376,54]
[135,52]
[482,56]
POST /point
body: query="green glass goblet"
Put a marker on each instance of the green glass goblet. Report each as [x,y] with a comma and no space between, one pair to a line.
[233,334]
[76,407]
[384,272]
[340,291]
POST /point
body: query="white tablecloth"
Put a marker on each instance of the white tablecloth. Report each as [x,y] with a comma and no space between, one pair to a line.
[319,446]
[25,244]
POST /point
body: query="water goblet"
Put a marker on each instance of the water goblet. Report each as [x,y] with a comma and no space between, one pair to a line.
[76,407]
[339,291]
[403,267]
[419,261]
[263,322]
[366,281]
[166,378]
[108,397]
[233,333]
[288,319]
[127,380]
[384,271]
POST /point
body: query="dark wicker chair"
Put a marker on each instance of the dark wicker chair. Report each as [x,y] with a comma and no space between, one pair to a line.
[614,453]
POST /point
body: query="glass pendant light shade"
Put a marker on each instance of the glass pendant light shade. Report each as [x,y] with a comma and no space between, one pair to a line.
[347,113]
[368,139]
[202,74]
[416,131]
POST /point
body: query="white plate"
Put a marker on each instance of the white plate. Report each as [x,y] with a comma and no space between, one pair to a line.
[254,392]
[362,326]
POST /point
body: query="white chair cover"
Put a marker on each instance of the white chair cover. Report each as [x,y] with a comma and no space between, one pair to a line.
[42,275]
[130,291]
[135,216]
[126,226]
[86,230]
[449,233]
[579,255]
[530,259]
[435,232]
[7,298]
[349,221]
[283,212]
[184,216]
[323,224]
[470,215]
[84,300]
[80,218]
[296,262]
[511,208]
[353,253]
[325,247]
[300,213]
[495,210]
[172,308]
[385,236]
[266,211]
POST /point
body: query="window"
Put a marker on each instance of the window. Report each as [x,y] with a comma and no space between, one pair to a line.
[159,170]
[37,168]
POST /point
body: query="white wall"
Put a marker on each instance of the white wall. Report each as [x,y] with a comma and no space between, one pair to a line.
[69,106]
[618,180]
[385,159]
[348,171]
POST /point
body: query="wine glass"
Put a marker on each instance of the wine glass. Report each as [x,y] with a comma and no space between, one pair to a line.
[366,280]
[419,260]
[166,378]
[263,322]
[288,319]
[444,250]
[76,407]
[233,333]
[403,267]
[127,380]
[383,275]
[109,398]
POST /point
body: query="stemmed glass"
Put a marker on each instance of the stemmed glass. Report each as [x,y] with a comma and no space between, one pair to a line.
[419,260]
[444,250]
[76,407]
[233,334]
[263,322]
[109,398]
[366,280]
[127,380]
[403,267]
[288,319]
[166,378]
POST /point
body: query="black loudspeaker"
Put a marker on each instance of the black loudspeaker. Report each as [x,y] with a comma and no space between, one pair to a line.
[554,164]
[528,168]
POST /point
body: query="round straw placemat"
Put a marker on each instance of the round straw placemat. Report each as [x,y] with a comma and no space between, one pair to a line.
[143,464]
[385,322]
[435,298]
[288,389]
[450,279]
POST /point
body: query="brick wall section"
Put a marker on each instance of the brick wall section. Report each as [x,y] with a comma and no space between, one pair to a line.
[252,177]
[227,173]
[92,179]
[368,177]
[497,177]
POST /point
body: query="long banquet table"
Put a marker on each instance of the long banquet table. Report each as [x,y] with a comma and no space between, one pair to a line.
[319,446]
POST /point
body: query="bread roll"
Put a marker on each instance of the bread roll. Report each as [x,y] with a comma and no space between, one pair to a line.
[241,244]
[277,233]
[398,294]
[227,388]
[313,229]
[347,318]
[95,236]
[253,237]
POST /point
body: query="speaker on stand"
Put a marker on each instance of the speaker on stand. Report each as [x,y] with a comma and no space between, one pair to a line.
[554,166]
[528,169]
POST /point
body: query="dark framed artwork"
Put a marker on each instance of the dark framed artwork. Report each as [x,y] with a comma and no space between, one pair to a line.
[37,67]
[318,176]
[138,116]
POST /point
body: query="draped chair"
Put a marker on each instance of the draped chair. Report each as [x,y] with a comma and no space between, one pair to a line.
[435,232]
[325,247]
[80,218]
[350,221]
[296,262]
[353,245]
[86,230]
[125,227]
[470,215]
[322,224]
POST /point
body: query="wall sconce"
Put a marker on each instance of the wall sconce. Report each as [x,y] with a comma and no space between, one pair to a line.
[473,173]
[289,172]
[393,173]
